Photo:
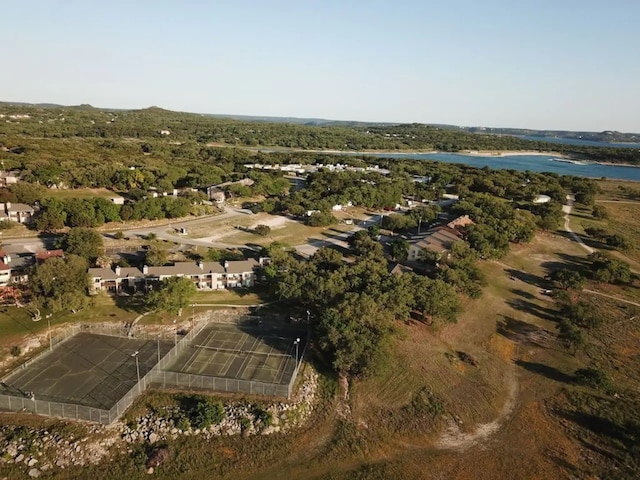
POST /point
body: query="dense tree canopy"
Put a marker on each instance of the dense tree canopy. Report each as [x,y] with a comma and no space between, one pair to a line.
[60,284]
[173,294]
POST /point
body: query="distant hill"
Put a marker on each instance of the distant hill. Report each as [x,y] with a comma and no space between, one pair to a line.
[607,136]
[303,121]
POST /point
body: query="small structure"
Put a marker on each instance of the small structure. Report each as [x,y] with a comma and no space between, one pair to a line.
[117,200]
[9,177]
[542,199]
[460,222]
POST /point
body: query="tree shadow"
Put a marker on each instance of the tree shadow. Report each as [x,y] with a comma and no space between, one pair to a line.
[526,277]
[533,309]
[587,240]
[525,333]
[132,303]
[522,293]
[546,371]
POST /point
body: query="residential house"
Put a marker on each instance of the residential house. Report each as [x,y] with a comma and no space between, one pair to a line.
[47,254]
[14,268]
[9,177]
[438,240]
[17,212]
[216,194]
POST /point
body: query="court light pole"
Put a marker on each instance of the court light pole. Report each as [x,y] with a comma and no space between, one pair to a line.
[49,331]
[175,333]
[135,355]
[297,344]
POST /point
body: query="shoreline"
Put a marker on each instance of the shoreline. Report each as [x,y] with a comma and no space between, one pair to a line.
[471,153]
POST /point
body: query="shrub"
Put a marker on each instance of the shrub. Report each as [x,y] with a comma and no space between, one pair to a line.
[183,424]
[263,416]
[594,378]
[16,351]
[206,413]
[118,235]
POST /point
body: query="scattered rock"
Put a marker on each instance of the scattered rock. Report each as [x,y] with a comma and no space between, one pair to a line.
[34,473]
[19,458]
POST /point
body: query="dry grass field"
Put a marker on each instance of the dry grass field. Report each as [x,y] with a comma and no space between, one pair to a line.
[490,397]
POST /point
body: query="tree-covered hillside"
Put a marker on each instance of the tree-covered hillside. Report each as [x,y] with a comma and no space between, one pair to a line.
[21,124]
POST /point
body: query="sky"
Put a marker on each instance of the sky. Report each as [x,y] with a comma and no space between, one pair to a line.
[561,64]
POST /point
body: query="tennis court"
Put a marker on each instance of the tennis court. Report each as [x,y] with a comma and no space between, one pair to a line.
[87,369]
[256,354]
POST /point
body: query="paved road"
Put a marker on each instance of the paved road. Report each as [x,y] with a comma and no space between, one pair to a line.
[162,233]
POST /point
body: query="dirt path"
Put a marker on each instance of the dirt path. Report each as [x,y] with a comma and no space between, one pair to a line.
[454,439]
[567,211]
[593,292]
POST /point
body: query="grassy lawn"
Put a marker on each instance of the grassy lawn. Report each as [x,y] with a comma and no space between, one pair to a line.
[63,194]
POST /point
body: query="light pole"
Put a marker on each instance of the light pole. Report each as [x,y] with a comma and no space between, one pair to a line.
[175,333]
[135,355]
[48,317]
[297,344]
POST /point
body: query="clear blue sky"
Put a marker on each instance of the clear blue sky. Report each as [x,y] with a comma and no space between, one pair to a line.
[563,64]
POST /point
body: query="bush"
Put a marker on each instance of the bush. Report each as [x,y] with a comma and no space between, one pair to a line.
[263,416]
[16,351]
[206,413]
[594,378]
[183,424]
[118,235]
[263,230]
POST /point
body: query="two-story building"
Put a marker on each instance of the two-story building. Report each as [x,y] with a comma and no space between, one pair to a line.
[205,276]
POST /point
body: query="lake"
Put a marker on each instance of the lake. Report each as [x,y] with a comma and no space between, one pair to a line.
[577,141]
[534,163]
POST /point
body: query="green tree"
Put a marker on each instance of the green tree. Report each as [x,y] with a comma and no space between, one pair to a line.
[206,413]
[84,242]
[156,256]
[356,334]
[600,212]
[173,294]
[50,221]
[262,230]
[567,279]
[60,284]
[399,249]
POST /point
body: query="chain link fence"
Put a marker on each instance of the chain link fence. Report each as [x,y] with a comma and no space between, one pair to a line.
[158,375]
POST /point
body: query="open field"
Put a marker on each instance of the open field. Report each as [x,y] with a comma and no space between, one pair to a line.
[87,369]
[65,193]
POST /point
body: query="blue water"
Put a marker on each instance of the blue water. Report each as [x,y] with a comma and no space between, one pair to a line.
[578,141]
[533,163]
